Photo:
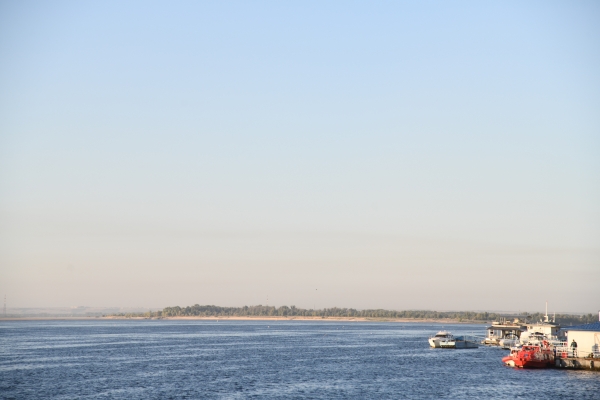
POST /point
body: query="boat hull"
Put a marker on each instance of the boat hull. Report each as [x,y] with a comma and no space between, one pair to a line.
[466,345]
[453,344]
[520,363]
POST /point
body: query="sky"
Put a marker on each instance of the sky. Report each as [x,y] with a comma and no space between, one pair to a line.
[398,155]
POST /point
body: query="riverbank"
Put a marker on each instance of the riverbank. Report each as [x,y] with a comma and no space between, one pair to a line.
[257,318]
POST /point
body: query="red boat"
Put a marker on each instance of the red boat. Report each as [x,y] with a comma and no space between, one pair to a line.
[530,356]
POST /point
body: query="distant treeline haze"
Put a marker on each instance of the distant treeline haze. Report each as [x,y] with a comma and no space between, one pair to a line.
[293,311]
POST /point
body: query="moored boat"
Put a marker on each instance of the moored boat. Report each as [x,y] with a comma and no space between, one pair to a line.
[530,356]
[544,329]
[509,341]
[503,333]
[441,339]
[446,340]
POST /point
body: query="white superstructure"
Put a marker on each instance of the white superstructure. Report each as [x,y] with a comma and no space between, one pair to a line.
[542,330]
[441,339]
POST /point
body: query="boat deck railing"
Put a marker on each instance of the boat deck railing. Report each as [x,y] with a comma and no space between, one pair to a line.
[469,338]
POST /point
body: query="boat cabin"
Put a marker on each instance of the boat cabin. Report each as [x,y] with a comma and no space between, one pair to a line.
[544,328]
[503,330]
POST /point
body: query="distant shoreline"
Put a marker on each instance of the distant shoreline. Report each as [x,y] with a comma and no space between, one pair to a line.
[261,318]
[284,313]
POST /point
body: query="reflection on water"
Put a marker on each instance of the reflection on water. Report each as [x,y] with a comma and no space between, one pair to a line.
[245,359]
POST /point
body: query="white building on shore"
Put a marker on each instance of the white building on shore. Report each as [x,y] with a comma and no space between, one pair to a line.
[587,338]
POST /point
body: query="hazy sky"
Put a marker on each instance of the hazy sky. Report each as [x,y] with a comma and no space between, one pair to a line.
[402,155]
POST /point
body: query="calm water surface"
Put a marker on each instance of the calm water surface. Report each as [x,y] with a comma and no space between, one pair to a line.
[237,360]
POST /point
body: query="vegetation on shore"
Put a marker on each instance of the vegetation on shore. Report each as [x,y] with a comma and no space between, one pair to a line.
[293,311]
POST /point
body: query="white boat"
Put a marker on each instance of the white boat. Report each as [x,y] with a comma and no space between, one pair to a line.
[441,339]
[508,334]
[502,333]
[446,340]
[544,330]
[509,341]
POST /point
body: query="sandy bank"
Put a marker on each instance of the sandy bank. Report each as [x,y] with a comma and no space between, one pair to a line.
[215,319]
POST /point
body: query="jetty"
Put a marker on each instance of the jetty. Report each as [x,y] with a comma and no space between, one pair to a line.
[578,363]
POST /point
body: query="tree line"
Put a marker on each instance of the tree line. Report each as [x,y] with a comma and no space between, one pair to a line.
[293,311]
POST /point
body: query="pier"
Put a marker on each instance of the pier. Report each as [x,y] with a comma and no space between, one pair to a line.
[578,363]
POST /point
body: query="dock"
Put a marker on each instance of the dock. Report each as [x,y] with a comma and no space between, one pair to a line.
[578,363]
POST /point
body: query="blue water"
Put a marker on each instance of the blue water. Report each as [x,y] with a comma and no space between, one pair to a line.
[239,359]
